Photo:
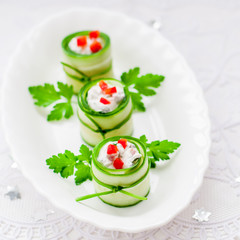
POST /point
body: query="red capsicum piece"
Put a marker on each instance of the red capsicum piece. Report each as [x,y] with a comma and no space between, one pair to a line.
[112,149]
[82,41]
[118,163]
[110,91]
[94,34]
[103,85]
[95,47]
[123,142]
[104,101]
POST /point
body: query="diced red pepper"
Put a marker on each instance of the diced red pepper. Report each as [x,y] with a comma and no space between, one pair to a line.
[104,101]
[123,142]
[103,85]
[94,34]
[118,163]
[95,46]
[112,149]
[110,90]
[82,41]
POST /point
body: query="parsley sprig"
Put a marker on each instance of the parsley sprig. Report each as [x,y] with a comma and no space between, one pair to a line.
[141,86]
[159,150]
[68,164]
[47,95]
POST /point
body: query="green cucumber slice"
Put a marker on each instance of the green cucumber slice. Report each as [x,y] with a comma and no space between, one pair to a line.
[92,58]
[75,73]
[92,138]
[94,66]
[134,180]
[77,79]
[93,70]
[122,200]
[126,205]
[95,126]
[141,166]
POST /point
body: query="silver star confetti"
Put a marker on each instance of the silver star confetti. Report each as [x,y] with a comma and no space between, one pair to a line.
[14,165]
[50,211]
[237,179]
[41,214]
[201,215]
[156,24]
[13,193]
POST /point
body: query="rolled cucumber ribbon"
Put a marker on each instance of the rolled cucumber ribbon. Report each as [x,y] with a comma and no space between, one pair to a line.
[80,67]
[120,187]
[96,126]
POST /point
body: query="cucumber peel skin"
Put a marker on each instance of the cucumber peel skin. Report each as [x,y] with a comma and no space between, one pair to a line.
[77,82]
[88,135]
[81,76]
[96,126]
[78,79]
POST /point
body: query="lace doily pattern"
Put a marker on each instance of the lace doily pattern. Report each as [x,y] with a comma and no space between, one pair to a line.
[207,34]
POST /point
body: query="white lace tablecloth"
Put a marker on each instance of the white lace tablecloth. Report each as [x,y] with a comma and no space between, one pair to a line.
[207,33]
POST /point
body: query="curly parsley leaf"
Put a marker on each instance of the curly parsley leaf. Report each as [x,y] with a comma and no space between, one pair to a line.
[65,90]
[137,102]
[83,173]
[68,164]
[63,163]
[130,77]
[144,139]
[159,150]
[86,154]
[60,110]
[142,85]
[47,94]
[44,95]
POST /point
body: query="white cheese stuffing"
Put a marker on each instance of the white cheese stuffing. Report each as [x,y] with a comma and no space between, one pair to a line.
[95,94]
[83,50]
[127,155]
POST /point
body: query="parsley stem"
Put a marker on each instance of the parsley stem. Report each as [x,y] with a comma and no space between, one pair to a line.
[93,195]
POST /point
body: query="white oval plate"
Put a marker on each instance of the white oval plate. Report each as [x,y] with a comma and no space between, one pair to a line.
[178,113]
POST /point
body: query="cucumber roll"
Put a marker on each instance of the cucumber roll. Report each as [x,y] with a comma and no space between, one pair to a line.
[104,110]
[120,171]
[87,56]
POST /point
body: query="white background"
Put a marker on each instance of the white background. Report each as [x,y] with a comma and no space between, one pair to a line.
[208,36]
